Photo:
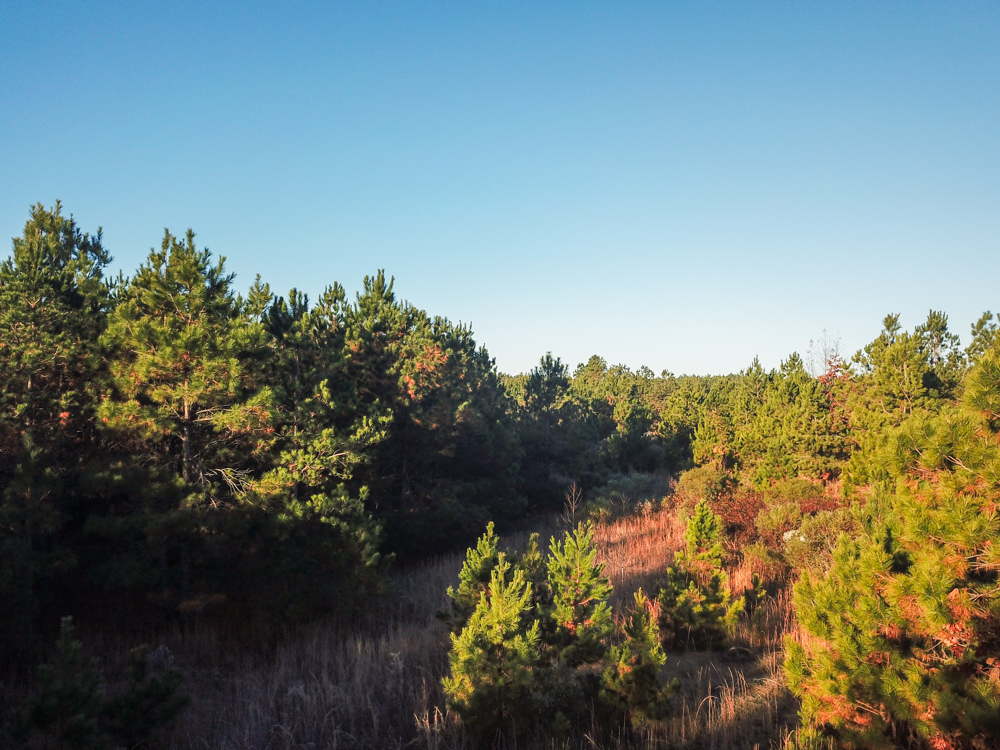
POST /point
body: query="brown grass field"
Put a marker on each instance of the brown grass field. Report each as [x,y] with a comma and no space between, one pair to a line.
[379,686]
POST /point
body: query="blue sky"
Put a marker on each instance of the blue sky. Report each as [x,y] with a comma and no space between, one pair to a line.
[681,185]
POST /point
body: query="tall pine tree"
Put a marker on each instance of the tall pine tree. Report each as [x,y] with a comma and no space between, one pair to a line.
[180,388]
[53,306]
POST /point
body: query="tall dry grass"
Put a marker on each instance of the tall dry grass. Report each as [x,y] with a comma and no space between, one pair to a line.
[378,686]
[731,699]
[637,550]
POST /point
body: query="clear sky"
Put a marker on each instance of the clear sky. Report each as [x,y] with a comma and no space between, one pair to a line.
[681,185]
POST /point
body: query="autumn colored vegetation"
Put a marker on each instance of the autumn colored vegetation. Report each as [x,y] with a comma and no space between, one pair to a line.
[237,520]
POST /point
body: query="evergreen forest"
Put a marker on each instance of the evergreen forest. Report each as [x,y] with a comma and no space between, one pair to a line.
[237,517]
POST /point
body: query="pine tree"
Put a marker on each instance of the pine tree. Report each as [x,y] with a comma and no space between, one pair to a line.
[179,386]
[53,307]
[53,304]
[494,660]
[185,395]
[68,702]
[544,388]
[74,707]
[449,458]
[890,384]
[307,358]
[899,641]
[703,540]
[148,704]
[322,546]
[473,579]
[534,565]
[630,686]
[696,606]
[945,360]
[579,598]
[543,428]
[984,334]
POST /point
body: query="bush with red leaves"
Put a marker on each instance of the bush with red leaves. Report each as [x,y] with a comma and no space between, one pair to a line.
[739,510]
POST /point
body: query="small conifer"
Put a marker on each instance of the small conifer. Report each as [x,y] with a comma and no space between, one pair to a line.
[629,686]
[473,579]
[696,605]
[67,705]
[73,708]
[535,567]
[579,598]
[494,659]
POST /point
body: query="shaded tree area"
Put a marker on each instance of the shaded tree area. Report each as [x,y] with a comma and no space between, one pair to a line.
[173,450]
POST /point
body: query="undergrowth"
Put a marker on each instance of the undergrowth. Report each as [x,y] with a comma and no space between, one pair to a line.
[379,686]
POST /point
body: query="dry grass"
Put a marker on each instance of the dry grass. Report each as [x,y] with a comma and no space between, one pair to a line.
[637,550]
[322,689]
[732,699]
[379,686]
[736,698]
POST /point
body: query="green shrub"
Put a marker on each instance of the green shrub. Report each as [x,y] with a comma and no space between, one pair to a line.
[779,517]
[704,483]
[810,546]
[768,564]
[793,491]
[598,509]
[73,708]
[696,606]
[701,483]
[626,494]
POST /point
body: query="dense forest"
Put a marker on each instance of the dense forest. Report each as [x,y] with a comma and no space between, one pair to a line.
[178,456]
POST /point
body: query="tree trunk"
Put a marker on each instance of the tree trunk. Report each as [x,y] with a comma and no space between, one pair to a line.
[186,437]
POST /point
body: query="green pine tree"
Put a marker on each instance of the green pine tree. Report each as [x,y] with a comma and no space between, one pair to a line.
[534,565]
[148,704]
[180,389]
[898,643]
[630,685]
[473,579]
[580,590]
[54,302]
[322,548]
[73,707]
[494,660]
[67,704]
[984,335]
[696,606]
[53,306]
